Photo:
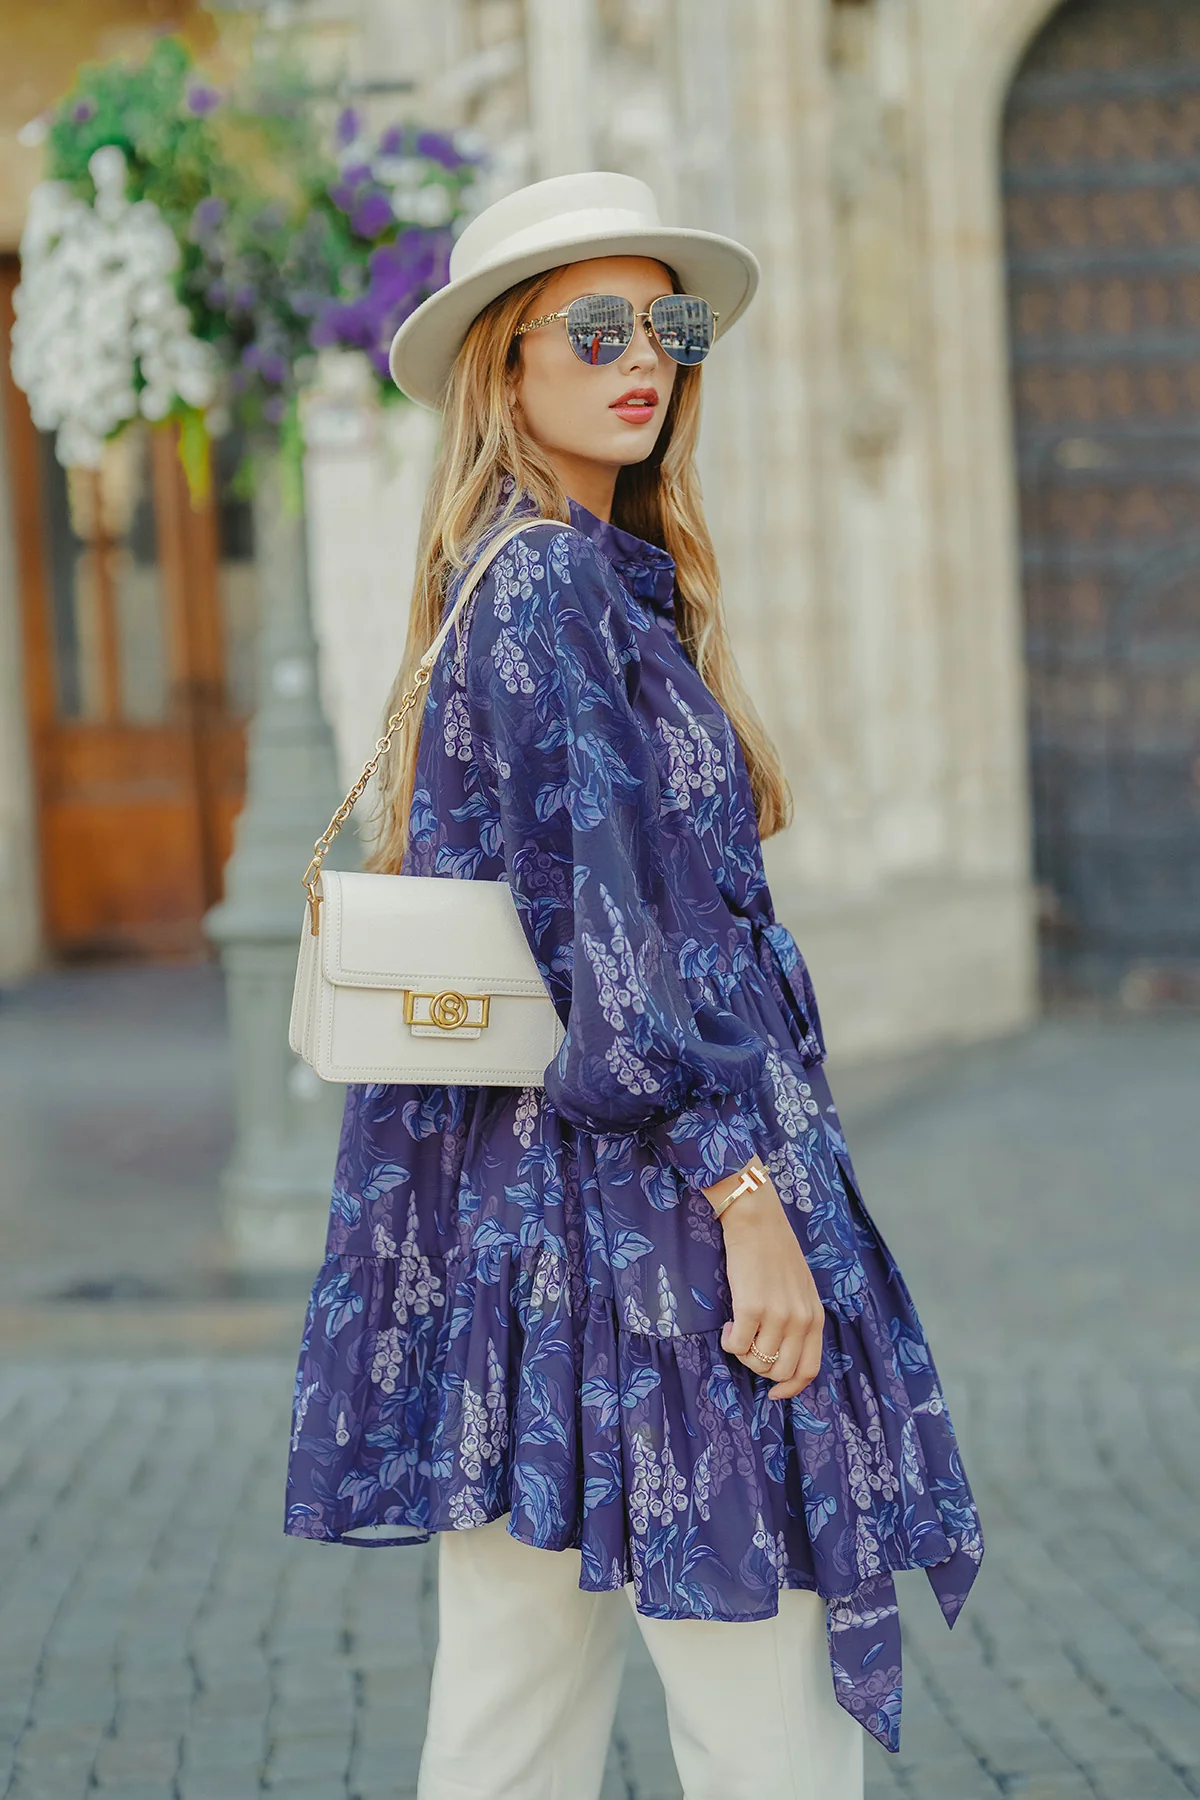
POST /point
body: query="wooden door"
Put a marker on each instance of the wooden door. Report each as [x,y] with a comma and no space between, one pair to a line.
[137,615]
[1102,193]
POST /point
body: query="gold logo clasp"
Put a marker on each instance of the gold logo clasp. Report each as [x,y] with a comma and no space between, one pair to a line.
[448,1010]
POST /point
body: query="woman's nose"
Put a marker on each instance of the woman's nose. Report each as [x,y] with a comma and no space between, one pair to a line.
[643,351]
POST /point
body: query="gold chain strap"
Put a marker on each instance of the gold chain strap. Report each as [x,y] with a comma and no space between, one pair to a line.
[312,874]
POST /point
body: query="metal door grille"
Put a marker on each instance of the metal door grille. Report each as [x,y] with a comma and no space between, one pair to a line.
[1102,202]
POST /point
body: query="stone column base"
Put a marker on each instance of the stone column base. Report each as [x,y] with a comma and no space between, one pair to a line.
[920,964]
[275,1192]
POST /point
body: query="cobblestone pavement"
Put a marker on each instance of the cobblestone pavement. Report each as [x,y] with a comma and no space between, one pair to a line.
[161,1640]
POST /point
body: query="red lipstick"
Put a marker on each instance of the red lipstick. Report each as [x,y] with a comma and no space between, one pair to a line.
[636,405]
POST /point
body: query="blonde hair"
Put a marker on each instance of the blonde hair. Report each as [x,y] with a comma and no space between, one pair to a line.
[658,500]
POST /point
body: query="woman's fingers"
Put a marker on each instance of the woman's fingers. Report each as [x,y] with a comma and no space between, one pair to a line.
[766,1351]
[776,1306]
[766,1337]
[737,1334]
[797,1340]
[807,1366]
[762,1359]
[785,1369]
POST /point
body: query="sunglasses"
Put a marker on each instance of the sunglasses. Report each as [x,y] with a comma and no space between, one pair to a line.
[600,327]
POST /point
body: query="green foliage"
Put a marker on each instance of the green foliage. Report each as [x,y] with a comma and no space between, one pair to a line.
[174,152]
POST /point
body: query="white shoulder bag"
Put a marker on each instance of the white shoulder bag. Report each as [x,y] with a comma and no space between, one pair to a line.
[408,978]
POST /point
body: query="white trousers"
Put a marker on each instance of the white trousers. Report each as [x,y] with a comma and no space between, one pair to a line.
[528,1667]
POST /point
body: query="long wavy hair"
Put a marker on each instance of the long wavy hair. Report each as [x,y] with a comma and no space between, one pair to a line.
[658,500]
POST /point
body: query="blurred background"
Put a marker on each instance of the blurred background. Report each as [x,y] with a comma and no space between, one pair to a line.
[952,462]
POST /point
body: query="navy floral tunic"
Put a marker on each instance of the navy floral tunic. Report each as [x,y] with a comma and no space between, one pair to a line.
[522,1298]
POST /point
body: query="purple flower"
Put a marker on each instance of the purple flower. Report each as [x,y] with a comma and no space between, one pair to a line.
[202,99]
[403,262]
[345,193]
[392,141]
[217,295]
[274,409]
[373,214]
[349,125]
[399,275]
[209,214]
[324,333]
[268,363]
[82,111]
[439,149]
[244,297]
[352,323]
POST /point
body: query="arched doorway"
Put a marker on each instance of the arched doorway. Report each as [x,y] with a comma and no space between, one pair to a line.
[1102,208]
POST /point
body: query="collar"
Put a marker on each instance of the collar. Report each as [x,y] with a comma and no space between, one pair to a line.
[647,571]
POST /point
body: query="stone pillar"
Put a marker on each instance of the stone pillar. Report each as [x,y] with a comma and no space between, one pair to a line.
[276,1188]
[561,51]
[365,475]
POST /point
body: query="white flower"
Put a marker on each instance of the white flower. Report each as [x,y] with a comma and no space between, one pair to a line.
[525,1117]
[466,1510]
[100,334]
[418,1286]
[398,171]
[694,758]
[106,167]
[388,1359]
[547,1286]
[668,1306]
[485,1421]
[433,205]
[301,1413]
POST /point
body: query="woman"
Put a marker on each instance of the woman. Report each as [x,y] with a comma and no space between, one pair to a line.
[632,1333]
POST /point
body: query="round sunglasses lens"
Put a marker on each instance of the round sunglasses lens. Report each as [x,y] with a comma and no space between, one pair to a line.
[600,327]
[683,326]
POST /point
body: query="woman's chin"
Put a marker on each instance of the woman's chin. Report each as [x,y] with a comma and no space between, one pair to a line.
[632,443]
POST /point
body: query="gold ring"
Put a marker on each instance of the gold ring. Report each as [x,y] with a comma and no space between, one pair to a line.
[761,1354]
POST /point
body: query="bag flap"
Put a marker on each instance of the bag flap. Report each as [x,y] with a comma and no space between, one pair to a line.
[422,932]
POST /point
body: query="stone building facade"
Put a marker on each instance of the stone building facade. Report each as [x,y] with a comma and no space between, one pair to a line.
[858,451]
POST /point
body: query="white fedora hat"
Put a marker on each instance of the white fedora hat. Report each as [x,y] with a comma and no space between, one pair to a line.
[563,220]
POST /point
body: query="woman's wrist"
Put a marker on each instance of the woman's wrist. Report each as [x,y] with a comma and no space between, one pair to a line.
[729,1193]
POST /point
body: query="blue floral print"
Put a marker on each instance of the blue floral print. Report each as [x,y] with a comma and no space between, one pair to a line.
[521,1302]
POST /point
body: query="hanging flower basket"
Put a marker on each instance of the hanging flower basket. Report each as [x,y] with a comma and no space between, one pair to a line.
[101,336]
[192,251]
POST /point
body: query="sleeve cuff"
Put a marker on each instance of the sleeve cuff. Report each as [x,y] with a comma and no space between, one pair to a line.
[708,1141]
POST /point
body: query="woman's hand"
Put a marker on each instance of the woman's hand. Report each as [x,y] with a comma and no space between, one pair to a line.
[775,1300]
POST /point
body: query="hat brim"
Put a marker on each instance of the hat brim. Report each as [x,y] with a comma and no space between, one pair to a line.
[719,269]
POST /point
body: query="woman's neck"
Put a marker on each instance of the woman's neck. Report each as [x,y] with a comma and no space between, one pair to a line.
[591,485]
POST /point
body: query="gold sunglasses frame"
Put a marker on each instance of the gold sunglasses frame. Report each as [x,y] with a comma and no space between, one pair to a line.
[639,318]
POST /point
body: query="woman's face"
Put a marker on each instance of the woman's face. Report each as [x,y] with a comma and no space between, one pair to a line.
[605,415]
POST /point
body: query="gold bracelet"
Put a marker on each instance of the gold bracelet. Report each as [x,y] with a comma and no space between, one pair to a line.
[753,1177]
